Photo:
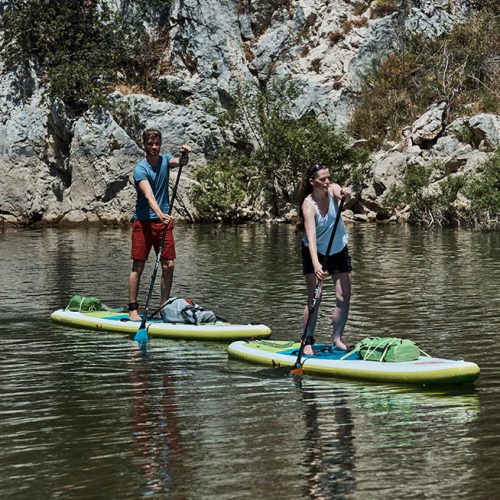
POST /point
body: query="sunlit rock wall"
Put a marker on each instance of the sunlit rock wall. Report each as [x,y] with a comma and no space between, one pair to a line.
[57,169]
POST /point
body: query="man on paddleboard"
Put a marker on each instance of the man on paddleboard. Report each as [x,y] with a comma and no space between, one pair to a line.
[317,213]
[151,214]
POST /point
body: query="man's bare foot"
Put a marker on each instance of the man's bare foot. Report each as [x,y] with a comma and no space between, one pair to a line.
[308,350]
[134,316]
[339,344]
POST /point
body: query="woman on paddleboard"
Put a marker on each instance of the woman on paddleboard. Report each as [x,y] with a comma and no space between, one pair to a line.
[317,212]
[151,176]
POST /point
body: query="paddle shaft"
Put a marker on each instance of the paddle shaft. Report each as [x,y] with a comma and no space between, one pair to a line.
[317,289]
[182,162]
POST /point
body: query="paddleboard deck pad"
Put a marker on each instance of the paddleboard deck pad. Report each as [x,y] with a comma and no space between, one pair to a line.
[328,362]
[115,321]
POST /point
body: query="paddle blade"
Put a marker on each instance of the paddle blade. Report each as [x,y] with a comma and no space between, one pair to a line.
[141,336]
[297,371]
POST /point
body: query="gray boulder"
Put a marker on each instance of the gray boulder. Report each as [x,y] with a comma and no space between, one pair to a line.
[428,127]
[486,128]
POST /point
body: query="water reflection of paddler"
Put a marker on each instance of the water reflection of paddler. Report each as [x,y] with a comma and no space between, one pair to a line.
[155,426]
[408,421]
[330,451]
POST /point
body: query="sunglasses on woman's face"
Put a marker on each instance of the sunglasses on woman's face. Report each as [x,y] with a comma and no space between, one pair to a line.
[317,168]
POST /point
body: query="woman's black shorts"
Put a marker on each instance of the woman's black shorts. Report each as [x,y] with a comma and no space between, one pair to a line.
[337,263]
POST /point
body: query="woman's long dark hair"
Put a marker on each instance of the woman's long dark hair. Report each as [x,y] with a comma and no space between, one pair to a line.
[305,189]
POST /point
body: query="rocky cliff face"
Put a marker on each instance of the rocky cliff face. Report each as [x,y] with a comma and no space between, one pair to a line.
[59,169]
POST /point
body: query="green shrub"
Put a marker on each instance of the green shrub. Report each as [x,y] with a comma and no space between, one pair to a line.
[483,188]
[221,187]
[415,179]
[464,134]
[428,205]
[436,204]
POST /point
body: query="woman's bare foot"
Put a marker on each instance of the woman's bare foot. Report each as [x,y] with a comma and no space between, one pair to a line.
[308,350]
[134,316]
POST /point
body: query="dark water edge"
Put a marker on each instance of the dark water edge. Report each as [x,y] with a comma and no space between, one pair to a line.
[85,415]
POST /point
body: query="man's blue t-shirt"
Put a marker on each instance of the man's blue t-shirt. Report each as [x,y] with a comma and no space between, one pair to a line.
[158,179]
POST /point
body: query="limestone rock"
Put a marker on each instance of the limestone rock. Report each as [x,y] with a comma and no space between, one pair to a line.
[102,158]
[486,129]
[55,167]
[427,128]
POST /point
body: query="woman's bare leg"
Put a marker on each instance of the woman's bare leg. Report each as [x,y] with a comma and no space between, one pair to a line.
[311,282]
[341,311]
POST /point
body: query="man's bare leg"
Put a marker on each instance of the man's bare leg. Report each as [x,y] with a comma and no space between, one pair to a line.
[134,281]
[167,276]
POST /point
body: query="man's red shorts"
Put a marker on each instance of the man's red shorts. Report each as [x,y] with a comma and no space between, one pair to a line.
[147,234]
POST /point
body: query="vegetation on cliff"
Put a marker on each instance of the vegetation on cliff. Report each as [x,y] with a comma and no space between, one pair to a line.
[483,191]
[440,202]
[460,68]
[81,49]
[270,148]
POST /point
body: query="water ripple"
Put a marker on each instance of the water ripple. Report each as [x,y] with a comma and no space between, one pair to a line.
[87,414]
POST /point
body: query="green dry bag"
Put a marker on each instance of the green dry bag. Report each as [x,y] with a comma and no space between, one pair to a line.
[84,304]
[391,349]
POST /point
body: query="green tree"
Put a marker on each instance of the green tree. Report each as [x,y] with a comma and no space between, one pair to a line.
[272,147]
[82,48]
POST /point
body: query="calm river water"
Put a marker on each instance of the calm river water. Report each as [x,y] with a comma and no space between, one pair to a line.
[85,415]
